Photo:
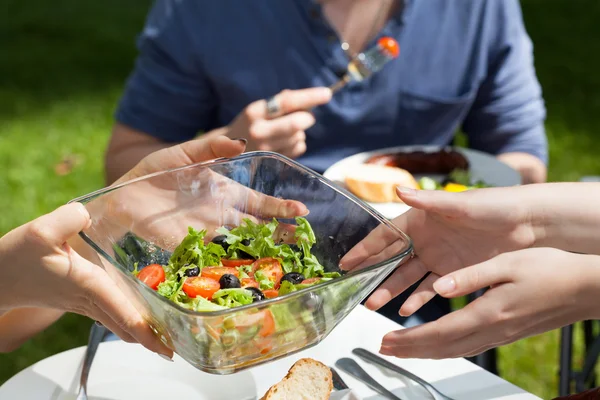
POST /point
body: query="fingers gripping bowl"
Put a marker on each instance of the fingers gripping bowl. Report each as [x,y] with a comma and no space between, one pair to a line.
[143,223]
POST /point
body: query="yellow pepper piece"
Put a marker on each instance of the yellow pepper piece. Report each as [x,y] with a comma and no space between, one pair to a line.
[455,187]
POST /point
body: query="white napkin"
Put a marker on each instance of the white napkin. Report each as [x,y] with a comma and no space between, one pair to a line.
[346,394]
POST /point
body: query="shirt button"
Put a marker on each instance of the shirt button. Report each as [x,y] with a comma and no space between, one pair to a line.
[314,13]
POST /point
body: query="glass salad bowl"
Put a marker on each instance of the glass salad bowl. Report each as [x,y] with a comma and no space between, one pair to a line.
[142,222]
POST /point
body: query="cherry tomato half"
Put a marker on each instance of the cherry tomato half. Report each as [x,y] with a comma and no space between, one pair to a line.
[217,272]
[200,286]
[270,267]
[263,318]
[249,282]
[271,293]
[235,263]
[268,326]
[152,275]
[310,281]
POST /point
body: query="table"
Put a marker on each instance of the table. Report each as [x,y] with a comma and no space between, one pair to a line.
[457,378]
[122,376]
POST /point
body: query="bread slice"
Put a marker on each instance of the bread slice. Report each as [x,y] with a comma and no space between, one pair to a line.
[377,183]
[308,379]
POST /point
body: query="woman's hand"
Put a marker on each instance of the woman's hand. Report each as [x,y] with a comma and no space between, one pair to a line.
[531,291]
[39,269]
[283,133]
[162,208]
[449,231]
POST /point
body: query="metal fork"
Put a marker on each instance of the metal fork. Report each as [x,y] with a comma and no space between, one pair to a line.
[375,359]
[97,334]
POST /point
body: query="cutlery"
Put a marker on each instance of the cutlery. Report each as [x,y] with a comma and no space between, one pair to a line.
[96,336]
[375,359]
[338,382]
[351,367]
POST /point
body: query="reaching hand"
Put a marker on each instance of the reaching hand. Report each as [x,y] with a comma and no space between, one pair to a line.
[160,209]
[531,291]
[449,231]
[40,269]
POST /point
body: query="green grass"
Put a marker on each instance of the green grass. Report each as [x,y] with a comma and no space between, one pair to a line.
[62,67]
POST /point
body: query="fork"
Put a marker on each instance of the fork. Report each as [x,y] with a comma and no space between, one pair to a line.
[375,359]
[97,334]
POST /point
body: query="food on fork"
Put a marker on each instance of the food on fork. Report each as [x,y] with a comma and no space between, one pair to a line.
[307,379]
[377,183]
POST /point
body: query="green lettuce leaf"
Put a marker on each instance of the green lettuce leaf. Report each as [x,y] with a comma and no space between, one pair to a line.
[264,283]
[234,297]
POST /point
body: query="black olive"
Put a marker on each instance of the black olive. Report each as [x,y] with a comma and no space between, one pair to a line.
[257,295]
[242,254]
[192,272]
[293,277]
[229,281]
[221,240]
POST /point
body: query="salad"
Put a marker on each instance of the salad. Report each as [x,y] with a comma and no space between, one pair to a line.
[458,180]
[240,266]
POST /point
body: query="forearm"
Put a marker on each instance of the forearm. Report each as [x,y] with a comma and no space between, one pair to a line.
[118,163]
[564,215]
[128,147]
[531,168]
[21,324]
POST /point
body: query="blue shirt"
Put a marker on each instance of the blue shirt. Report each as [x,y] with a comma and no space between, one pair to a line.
[464,64]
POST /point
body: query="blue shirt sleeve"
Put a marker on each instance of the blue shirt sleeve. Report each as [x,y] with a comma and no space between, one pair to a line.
[508,112]
[167,94]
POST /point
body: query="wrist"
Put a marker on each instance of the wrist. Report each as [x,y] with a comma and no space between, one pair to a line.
[588,279]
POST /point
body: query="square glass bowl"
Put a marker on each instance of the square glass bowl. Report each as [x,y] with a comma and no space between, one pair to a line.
[140,222]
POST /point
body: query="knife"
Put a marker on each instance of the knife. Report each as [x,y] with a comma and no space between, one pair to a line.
[351,367]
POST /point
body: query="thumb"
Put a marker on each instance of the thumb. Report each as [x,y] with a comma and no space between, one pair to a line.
[61,224]
[437,201]
[470,279]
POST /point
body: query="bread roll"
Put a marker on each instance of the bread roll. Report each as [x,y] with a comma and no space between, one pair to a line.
[308,379]
[377,183]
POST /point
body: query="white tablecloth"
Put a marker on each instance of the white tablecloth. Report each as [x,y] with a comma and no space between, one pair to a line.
[457,378]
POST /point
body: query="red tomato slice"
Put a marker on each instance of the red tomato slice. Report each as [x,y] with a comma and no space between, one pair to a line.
[249,282]
[152,275]
[270,267]
[235,263]
[268,324]
[200,286]
[217,272]
[263,318]
[271,293]
[310,281]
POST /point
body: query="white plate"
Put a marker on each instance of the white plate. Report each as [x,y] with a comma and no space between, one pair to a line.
[123,371]
[482,166]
